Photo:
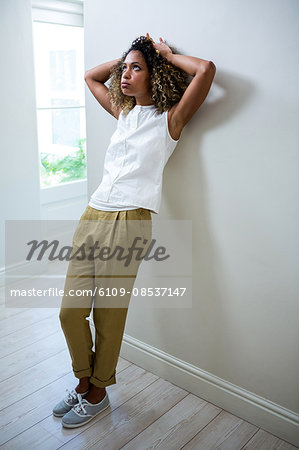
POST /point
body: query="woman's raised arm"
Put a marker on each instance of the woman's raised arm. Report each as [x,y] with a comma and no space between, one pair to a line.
[95,79]
[203,73]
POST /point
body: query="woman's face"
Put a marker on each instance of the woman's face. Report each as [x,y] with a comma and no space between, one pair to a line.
[135,73]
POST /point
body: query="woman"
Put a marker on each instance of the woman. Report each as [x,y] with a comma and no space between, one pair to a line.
[152,98]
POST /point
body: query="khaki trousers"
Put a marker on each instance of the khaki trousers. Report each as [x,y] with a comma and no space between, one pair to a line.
[107,229]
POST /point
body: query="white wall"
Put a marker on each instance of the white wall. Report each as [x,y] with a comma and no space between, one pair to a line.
[234,175]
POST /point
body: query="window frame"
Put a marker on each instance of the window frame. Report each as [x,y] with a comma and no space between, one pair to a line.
[60,12]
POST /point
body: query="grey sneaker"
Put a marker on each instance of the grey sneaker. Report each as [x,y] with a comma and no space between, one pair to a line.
[83,412]
[67,403]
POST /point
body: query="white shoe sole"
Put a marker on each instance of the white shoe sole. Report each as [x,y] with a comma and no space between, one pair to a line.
[59,415]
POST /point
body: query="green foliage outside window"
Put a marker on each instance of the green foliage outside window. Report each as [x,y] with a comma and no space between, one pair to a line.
[56,170]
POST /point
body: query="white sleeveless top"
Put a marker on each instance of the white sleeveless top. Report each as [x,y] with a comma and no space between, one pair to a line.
[134,162]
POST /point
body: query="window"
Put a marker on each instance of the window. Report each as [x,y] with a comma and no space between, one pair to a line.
[59,80]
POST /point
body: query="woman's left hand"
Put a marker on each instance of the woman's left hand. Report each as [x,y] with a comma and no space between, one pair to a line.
[161,48]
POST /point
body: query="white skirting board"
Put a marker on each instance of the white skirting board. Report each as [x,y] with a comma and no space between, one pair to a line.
[257,410]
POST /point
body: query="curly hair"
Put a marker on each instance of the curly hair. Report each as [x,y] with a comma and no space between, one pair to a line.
[168,82]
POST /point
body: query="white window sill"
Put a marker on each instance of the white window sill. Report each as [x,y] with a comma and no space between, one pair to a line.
[62,192]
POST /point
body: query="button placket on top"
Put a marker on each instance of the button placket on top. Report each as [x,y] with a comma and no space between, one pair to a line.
[133,124]
[134,119]
[120,169]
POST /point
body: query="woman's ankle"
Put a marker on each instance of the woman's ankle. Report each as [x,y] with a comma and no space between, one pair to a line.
[83,385]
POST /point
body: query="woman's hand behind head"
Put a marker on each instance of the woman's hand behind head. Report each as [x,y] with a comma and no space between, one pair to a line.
[161,48]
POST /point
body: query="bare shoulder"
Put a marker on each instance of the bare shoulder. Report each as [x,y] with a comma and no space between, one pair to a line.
[174,127]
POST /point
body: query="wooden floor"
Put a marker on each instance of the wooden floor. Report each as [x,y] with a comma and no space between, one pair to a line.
[145,411]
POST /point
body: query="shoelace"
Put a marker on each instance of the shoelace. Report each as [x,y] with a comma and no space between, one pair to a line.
[71,395]
[79,407]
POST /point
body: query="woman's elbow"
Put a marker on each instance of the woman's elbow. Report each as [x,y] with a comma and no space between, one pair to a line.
[86,75]
[212,66]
